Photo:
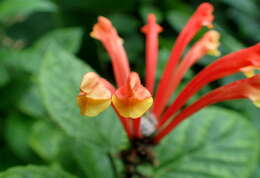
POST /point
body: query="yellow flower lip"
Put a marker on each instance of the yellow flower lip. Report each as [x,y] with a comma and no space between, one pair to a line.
[249,71]
[212,42]
[132,100]
[95,95]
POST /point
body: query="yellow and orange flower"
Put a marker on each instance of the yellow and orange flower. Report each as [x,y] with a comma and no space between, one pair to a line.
[131,100]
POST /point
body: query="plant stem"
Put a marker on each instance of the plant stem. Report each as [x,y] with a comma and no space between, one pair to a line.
[140,152]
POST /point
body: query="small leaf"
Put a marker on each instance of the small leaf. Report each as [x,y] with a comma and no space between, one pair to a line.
[213,143]
[34,172]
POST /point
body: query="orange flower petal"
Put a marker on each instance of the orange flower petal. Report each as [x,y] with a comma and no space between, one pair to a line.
[95,94]
[132,100]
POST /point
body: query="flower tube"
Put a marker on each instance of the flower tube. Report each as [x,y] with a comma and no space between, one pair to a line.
[246,88]
[202,17]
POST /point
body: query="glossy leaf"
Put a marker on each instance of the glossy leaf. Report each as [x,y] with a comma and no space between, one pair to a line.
[213,143]
[59,80]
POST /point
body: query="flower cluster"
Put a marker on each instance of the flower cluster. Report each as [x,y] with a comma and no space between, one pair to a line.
[144,112]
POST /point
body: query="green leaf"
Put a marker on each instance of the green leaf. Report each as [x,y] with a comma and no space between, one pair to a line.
[46,140]
[59,80]
[4,75]
[257,172]
[30,103]
[212,143]
[177,19]
[125,24]
[67,38]
[247,24]
[34,172]
[9,158]
[15,8]
[93,160]
[17,133]
[146,10]
[29,60]
[249,7]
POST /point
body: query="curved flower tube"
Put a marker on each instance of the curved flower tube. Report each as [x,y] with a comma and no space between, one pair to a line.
[227,65]
[107,34]
[202,17]
[208,44]
[246,88]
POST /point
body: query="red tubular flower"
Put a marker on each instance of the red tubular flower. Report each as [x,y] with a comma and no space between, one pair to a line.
[208,44]
[131,99]
[151,31]
[224,66]
[246,88]
[202,17]
[106,33]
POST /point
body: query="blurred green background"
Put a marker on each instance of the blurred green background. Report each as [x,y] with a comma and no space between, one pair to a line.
[31,131]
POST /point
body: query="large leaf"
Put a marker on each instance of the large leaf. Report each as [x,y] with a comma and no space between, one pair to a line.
[59,81]
[12,8]
[213,143]
[93,160]
[34,172]
[30,59]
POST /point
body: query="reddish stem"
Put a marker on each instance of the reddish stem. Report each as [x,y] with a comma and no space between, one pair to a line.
[126,124]
[136,128]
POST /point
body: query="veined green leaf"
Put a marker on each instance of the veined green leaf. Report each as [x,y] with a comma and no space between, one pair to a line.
[59,81]
[213,143]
